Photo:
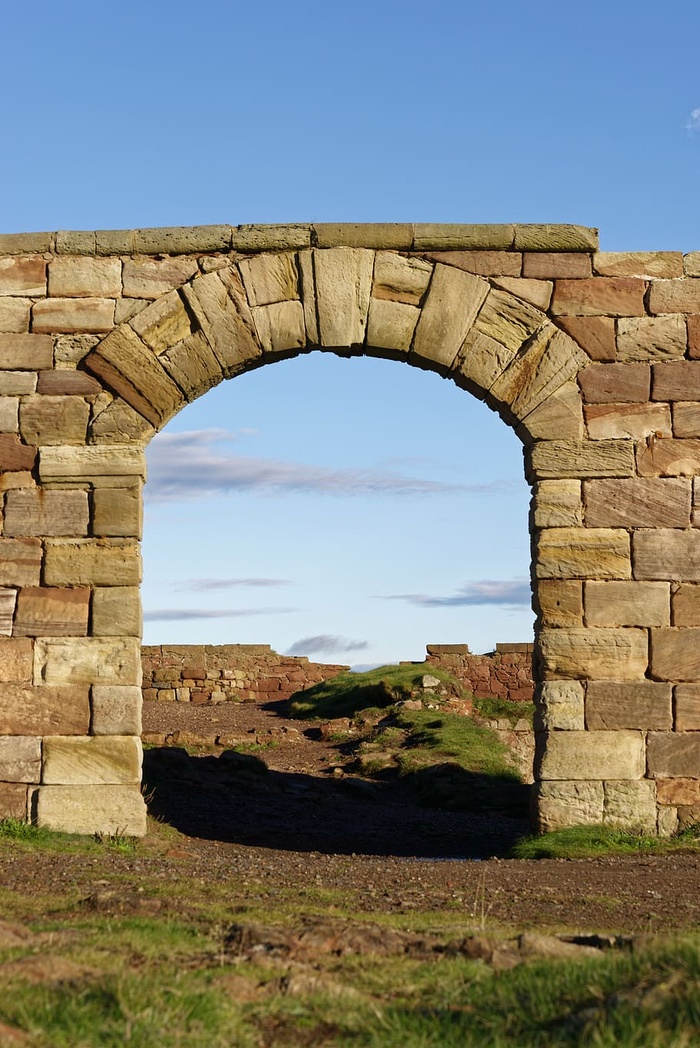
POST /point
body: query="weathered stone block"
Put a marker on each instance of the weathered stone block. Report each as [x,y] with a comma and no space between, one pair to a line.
[685,605]
[479,362]
[558,417]
[664,457]
[219,303]
[676,380]
[560,602]
[693,337]
[280,327]
[615,383]
[637,421]
[537,292]
[343,282]
[116,710]
[593,755]
[572,458]
[20,562]
[686,419]
[559,706]
[13,801]
[675,296]
[54,420]
[70,350]
[92,809]
[551,359]
[391,325]
[595,335]
[108,760]
[507,319]
[16,662]
[627,603]
[651,338]
[20,758]
[87,463]
[116,612]
[15,314]
[14,455]
[687,707]
[151,277]
[400,279]
[454,298]
[611,705]
[561,804]
[117,512]
[44,710]
[547,265]
[594,654]
[481,263]
[678,790]
[44,611]
[557,504]
[175,240]
[274,237]
[85,315]
[91,562]
[23,275]
[599,553]
[675,653]
[67,383]
[87,660]
[16,383]
[553,237]
[638,263]
[666,554]
[270,278]
[163,323]
[671,754]
[637,503]
[436,236]
[75,242]
[118,423]
[8,600]
[600,296]
[630,805]
[85,277]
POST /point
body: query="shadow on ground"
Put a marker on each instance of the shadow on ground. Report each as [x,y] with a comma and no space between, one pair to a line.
[234,797]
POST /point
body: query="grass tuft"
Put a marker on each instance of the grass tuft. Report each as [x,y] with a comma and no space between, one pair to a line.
[587,842]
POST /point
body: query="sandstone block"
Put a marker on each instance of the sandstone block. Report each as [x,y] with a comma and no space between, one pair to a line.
[666,554]
[85,315]
[391,325]
[637,503]
[560,602]
[87,463]
[47,420]
[636,421]
[70,350]
[219,303]
[20,562]
[551,459]
[280,327]
[20,758]
[675,296]
[14,455]
[595,335]
[559,706]
[436,236]
[676,380]
[593,755]
[16,383]
[397,235]
[107,760]
[67,383]
[537,292]
[615,383]
[547,265]
[16,479]
[401,279]
[23,243]
[85,277]
[594,654]
[181,240]
[678,791]
[557,504]
[686,419]
[45,611]
[582,553]
[343,282]
[45,710]
[693,323]
[452,303]
[651,338]
[270,278]
[116,710]
[192,365]
[675,653]
[275,237]
[90,562]
[163,323]
[551,359]
[481,263]
[8,600]
[600,296]
[92,809]
[671,754]
[611,705]
[151,277]
[117,512]
[23,275]
[13,801]
[562,804]
[691,264]
[479,362]
[687,707]
[15,664]
[116,612]
[118,423]
[505,318]
[627,603]
[558,417]
[15,314]
[638,263]
[554,237]
[685,605]
[124,362]
[87,660]
[669,458]
[630,805]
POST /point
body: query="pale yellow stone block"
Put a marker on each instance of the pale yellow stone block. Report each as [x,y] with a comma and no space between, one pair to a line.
[85,463]
[585,553]
[562,804]
[48,420]
[400,279]
[551,360]
[163,323]
[116,710]
[91,809]
[117,512]
[627,603]
[572,458]
[391,325]
[92,562]
[85,277]
[150,278]
[630,805]
[558,417]
[560,706]
[218,301]
[559,602]
[108,760]
[65,315]
[343,283]
[557,504]
[270,278]
[116,612]
[280,326]
[636,421]
[594,654]
[508,319]
[450,308]
[87,660]
[651,338]
[591,755]
[537,292]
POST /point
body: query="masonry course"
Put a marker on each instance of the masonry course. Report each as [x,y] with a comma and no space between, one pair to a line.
[592,357]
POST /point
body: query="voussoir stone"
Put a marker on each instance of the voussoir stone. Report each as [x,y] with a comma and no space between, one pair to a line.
[593,755]
[92,809]
[400,279]
[594,653]
[453,300]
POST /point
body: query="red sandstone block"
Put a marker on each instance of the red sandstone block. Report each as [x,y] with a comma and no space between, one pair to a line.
[616,383]
[64,382]
[481,263]
[676,380]
[26,352]
[600,296]
[23,275]
[595,335]
[694,337]
[194,672]
[547,265]
[15,455]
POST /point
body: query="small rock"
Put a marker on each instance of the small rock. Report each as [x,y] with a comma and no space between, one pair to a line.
[429,682]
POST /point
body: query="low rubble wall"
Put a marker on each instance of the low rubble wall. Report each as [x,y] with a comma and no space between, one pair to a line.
[505,673]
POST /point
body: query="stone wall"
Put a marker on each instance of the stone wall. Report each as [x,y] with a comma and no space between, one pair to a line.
[505,673]
[211,673]
[592,357]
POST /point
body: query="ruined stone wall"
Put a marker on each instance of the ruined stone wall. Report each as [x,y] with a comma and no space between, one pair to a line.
[211,673]
[505,673]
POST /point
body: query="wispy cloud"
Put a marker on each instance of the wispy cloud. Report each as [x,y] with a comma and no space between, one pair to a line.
[326,644]
[182,614]
[506,594]
[205,585]
[693,124]
[196,465]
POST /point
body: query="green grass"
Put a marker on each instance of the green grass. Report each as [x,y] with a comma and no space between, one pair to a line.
[586,842]
[493,708]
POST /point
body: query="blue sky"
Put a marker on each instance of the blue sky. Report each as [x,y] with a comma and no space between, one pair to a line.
[352,510]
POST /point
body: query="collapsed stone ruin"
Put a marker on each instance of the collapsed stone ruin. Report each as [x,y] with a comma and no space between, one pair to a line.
[592,357]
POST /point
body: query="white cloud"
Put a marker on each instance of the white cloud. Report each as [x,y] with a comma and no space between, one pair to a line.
[182,614]
[504,593]
[192,465]
[693,124]
[205,585]
[326,644]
